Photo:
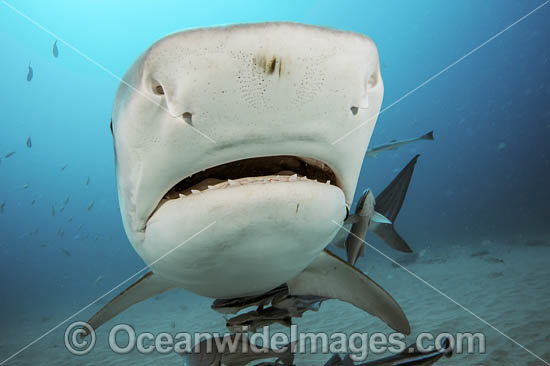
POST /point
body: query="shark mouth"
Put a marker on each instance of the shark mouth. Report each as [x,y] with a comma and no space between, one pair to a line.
[261,170]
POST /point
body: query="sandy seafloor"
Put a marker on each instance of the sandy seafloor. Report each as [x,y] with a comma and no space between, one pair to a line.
[513,295]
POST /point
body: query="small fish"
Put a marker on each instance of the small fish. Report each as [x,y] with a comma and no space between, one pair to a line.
[2,205]
[30,73]
[91,205]
[235,349]
[70,219]
[43,245]
[66,252]
[53,211]
[55,51]
[10,154]
[29,142]
[258,319]
[33,202]
[25,186]
[361,221]
[411,356]
[234,305]
[88,180]
[296,306]
[98,281]
[64,167]
[393,145]
[67,200]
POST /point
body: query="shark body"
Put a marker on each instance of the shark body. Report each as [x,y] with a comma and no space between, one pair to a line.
[228,181]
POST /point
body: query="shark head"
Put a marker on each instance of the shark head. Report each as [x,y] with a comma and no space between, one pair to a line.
[229,170]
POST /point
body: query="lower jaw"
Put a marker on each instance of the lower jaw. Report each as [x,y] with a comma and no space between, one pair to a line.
[254,239]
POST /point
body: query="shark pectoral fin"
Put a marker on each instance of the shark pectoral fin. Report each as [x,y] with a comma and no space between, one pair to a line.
[329,276]
[381,219]
[146,287]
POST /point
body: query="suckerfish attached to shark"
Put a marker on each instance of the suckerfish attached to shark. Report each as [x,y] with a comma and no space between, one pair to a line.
[377,215]
[411,356]
[394,145]
[361,220]
[235,350]
[228,181]
[258,319]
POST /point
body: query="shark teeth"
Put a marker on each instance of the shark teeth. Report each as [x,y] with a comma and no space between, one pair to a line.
[202,187]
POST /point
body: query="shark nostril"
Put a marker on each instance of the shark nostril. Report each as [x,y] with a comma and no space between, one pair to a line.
[372,81]
[157,88]
[188,118]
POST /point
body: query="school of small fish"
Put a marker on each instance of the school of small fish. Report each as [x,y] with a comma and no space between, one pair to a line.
[55,210]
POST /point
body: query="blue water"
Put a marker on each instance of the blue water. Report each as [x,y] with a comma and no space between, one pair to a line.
[486,175]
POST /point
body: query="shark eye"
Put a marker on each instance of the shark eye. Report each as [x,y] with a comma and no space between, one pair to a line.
[111,126]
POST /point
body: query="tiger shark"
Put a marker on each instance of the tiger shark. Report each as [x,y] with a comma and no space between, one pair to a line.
[228,178]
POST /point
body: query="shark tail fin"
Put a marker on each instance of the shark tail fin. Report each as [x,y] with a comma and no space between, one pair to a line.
[428,136]
[389,202]
[146,287]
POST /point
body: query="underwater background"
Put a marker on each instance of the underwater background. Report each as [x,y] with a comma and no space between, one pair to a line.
[483,183]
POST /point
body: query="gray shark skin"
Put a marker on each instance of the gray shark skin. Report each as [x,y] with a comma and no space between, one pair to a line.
[396,144]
